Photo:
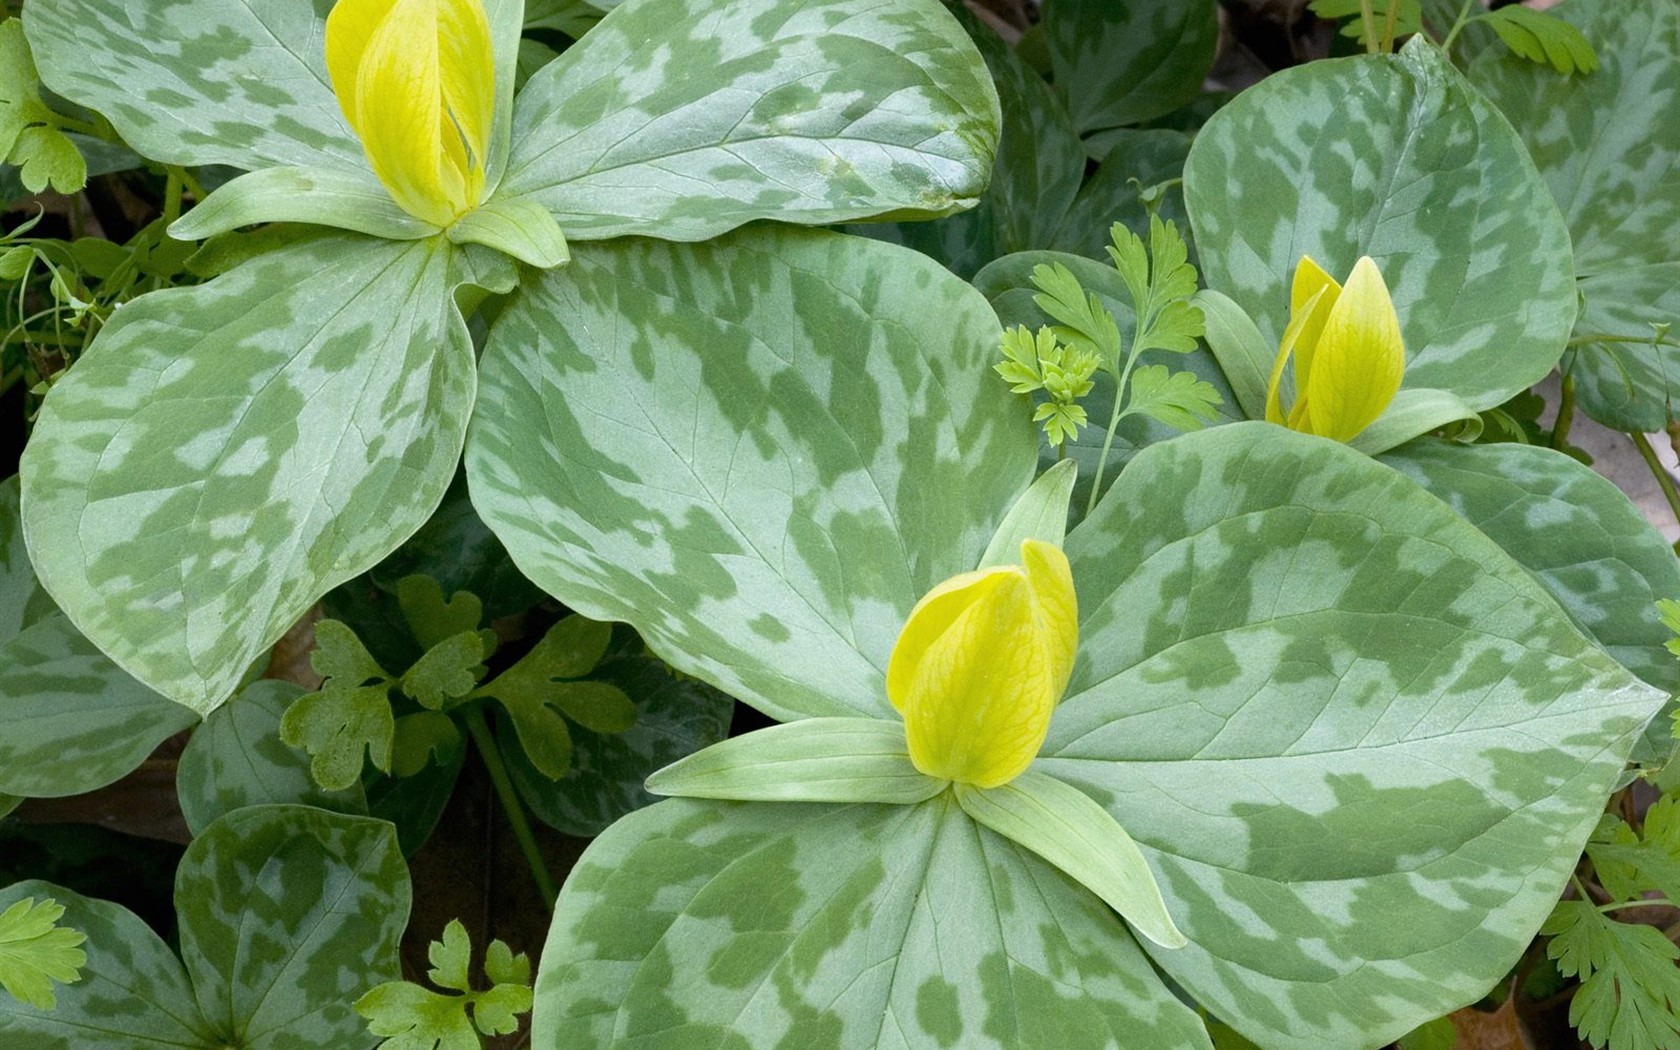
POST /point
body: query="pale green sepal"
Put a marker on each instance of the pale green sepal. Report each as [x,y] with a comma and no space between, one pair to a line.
[348,200]
[812,760]
[507,26]
[1242,352]
[516,226]
[1413,413]
[1040,514]
[1069,829]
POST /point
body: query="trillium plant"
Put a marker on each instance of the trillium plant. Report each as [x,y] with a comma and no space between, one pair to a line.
[1001,540]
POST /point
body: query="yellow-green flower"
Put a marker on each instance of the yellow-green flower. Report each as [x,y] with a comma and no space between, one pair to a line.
[980,665]
[416,81]
[1349,357]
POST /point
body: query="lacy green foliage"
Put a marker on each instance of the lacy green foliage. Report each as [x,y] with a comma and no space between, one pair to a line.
[1039,361]
[1538,36]
[1629,998]
[35,952]
[30,132]
[1408,19]
[352,714]
[412,1017]
[291,422]
[285,915]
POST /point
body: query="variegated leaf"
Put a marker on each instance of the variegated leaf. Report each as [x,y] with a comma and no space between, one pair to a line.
[288,915]
[1579,535]
[133,994]
[762,926]
[1609,148]
[1119,64]
[1360,747]
[225,454]
[70,720]
[237,759]
[200,81]
[1398,158]
[686,118]
[799,438]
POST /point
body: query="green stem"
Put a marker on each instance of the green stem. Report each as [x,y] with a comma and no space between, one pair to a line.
[1368,18]
[1389,21]
[487,750]
[1108,438]
[1604,337]
[1565,416]
[171,195]
[1458,26]
[1665,480]
[1656,902]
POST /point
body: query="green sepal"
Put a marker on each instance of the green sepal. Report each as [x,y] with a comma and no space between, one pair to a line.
[347,200]
[1413,413]
[515,226]
[1040,514]
[812,760]
[1069,829]
[1242,352]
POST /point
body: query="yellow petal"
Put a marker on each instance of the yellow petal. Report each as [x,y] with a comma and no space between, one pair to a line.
[929,620]
[1300,317]
[350,26]
[467,68]
[980,665]
[1360,359]
[1311,286]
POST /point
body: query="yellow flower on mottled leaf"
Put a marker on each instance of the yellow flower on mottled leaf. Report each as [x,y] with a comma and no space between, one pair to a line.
[980,665]
[416,81]
[1347,350]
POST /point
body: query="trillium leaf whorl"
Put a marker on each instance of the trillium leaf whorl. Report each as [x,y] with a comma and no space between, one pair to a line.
[980,665]
[416,82]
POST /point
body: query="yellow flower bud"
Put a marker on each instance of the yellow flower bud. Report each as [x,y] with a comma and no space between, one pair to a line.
[1349,357]
[416,81]
[980,665]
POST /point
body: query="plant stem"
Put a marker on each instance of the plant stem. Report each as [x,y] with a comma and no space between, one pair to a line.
[1368,18]
[1565,416]
[487,750]
[1113,421]
[1457,26]
[1389,20]
[1655,902]
[171,195]
[1665,480]
[1588,338]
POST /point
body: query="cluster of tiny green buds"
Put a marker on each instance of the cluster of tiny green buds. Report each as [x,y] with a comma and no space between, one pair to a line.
[1039,361]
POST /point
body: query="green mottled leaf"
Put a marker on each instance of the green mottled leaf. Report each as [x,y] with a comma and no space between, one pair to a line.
[17,575]
[1394,157]
[71,720]
[133,994]
[686,118]
[337,197]
[225,454]
[1135,162]
[674,717]
[1608,147]
[237,759]
[811,760]
[36,952]
[1122,64]
[777,925]
[781,475]
[1327,654]
[460,553]
[517,227]
[200,81]
[1579,535]
[288,915]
